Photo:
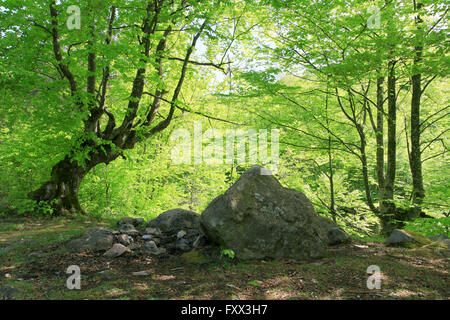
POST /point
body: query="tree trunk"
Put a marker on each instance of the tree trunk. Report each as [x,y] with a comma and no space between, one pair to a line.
[365,172]
[415,161]
[330,163]
[61,191]
[387,205]
[380,138]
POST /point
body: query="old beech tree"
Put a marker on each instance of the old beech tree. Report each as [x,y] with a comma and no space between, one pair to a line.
[161,36]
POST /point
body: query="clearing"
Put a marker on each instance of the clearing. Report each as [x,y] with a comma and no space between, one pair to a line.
[34,260]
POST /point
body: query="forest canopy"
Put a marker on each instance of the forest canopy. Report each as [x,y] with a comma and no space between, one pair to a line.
[353,95]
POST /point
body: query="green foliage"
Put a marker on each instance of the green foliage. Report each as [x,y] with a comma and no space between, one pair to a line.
[430,226]
[228,253]
[285,70]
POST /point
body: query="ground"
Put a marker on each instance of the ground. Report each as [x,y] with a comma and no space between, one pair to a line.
[405,273]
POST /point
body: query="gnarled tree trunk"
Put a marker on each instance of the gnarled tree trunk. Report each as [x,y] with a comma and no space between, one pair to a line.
[61,191]
[104,141]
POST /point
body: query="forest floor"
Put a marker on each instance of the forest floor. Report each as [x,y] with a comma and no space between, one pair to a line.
[37,267]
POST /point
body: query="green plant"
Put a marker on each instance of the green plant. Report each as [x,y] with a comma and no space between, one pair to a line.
[429,226]
[227,253]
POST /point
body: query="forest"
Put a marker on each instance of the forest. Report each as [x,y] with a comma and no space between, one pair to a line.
[124,109]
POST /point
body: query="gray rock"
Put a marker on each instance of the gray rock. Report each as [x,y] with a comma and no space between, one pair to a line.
[128,229]
[438,237]
[153,232]
[8,292]
[337,236]
[150,247]
[181,234]
[200,241]
[124,239]
[170,222]
[116,251]
[141,273]
[398,237]
[149,237]
[96,239]
[134,246]
[136,222]
[183,245]
[334,233]
[258,218]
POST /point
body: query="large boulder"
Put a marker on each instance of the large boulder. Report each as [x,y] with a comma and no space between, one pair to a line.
[175,220]
[406,238]
[96,239]
[334,233]
[258,218]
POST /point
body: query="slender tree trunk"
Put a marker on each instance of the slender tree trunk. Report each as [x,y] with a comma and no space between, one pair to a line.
[331,178]
[330,161]
[365,171]
[415,161]
[380,138]
[387,205]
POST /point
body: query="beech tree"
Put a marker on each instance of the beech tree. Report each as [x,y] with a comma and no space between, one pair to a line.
[146,47]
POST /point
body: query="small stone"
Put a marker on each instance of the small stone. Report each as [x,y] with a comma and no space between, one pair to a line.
[128,229]
[182,245]
[181,234]
[153,231]
[129,220]
[134,246]
[141,273]
[150,247]
[117,250]
[199,242]
[149,237]
[124,239]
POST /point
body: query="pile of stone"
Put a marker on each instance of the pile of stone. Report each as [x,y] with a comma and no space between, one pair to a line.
[173,232]
[256,217]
